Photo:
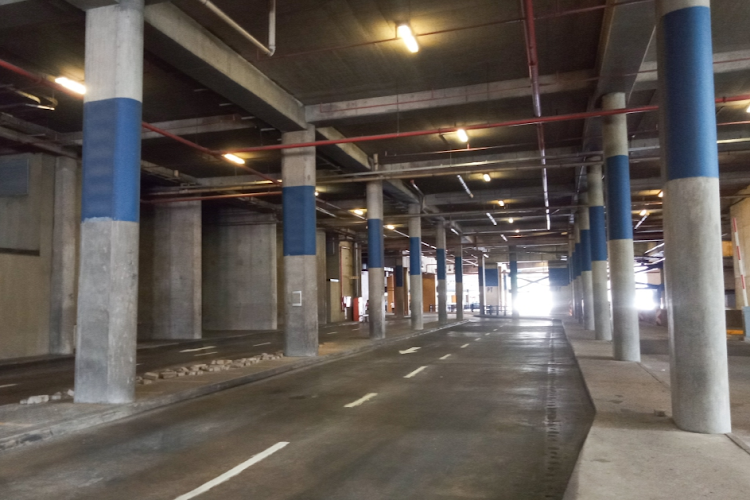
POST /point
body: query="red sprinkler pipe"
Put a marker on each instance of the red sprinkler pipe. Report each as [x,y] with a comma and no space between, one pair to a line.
[215,197]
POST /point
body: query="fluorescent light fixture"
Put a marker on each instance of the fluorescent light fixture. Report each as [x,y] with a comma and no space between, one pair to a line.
[506,239]
[462,135]
[466,188]
[494,222]
[643,213]
[358,211]
[69,84]
[234,158]
[454,230]
[501,203]
[390,226]
[486,177]
[404,33]
[748,109]
[661,194]
[518,231]
[510,221]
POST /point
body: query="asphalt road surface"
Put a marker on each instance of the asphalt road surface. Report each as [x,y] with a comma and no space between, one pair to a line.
[488,410]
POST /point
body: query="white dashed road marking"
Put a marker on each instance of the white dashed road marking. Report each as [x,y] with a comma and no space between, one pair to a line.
[361,400]
[200,349]
[446,356]
[415,372]
[264,343]
[7,385]
[233,472]
[464,346]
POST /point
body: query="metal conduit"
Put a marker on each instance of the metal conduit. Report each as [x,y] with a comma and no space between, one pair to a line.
[269,51]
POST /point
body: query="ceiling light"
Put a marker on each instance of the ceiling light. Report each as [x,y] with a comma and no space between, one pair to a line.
[466,188]
[69,84]
[748,109]
[234,158]
[661,194]
[454,230]
[510,221]
[462,135]
[506,239]
[405,34]
[317,192]
[358,211]
[501,203]
[518,231]
[486,177]
[494,222]
[390,226]
[643,213]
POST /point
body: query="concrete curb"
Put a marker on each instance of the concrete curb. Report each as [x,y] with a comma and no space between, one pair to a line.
[114,413]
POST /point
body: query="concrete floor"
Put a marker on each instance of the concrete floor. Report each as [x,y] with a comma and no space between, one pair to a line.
[498,411]
[47,376]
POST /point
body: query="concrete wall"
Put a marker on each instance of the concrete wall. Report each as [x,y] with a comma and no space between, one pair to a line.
[741,211]
[240,281]
[26,229]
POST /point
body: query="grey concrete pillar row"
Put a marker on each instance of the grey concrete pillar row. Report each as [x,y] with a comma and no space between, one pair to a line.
[587,279]
[110,205]
[513,264]
[481,276]
[625,329]
[64,235]
[693,260]
[399,297]
[577,285]
[442,286]
[599,277]
[300,261]
[415,267]
[375,273]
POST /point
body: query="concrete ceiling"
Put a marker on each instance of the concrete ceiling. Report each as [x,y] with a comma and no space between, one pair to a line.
[341,54]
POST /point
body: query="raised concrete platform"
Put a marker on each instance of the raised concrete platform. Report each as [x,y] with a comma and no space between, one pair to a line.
[631,452]
[21,424]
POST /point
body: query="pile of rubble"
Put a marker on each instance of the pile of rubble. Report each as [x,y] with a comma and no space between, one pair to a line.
[217,365]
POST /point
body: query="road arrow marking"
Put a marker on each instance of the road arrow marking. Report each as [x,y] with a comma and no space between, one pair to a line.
[410,350]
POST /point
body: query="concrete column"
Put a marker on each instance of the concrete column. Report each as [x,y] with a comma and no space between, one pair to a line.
[459,270]
[62,316]
[692,218]
[482,299]
[442,286]
[587,279]
[571,272]
[513,257]
[300,261]
[177,274]
[375,273]
[625,330]
[415,267]
[602,322]
[578,280]
[399,297]
[320,253]
[108,280]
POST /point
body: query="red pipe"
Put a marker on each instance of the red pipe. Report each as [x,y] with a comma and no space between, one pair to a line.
[215,197]
[448,130]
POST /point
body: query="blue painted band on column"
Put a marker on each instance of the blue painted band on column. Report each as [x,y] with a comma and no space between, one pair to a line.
[374,243]
[491,277]
[619,215]
[441,263]
[459,269]
[690,109]
[598,234]
[298,204]
[585,250]
[415,256]
[111,159]
[399,276]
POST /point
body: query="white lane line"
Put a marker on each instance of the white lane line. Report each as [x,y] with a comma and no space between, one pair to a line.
[361,400]
[486,334]
[7,385]
[477,340]
[200,349]
[446,356]
[233,472]
[410,350]
[464,346]
[331,333]
[264,343]
[206,353]
[415,372]
[494,330]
